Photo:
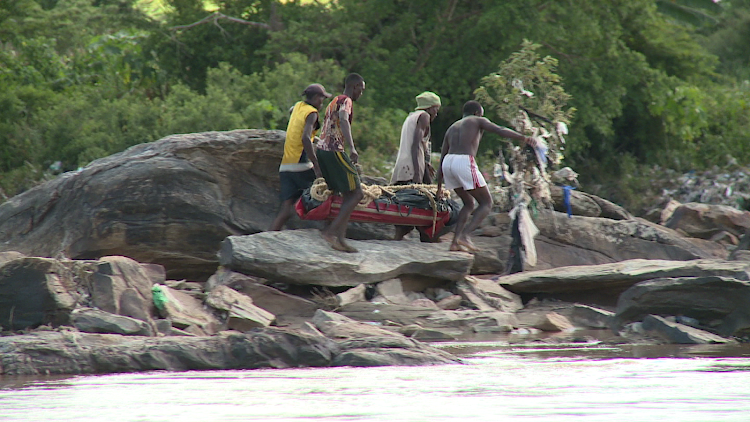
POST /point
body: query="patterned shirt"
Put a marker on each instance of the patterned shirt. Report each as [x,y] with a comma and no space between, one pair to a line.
[331,138]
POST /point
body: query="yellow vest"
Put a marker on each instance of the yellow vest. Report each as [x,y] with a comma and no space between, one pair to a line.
[293,159]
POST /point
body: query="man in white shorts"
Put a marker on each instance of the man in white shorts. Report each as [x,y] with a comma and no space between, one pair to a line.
[460,171]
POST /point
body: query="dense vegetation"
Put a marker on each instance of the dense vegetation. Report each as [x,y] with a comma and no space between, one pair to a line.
[654,83]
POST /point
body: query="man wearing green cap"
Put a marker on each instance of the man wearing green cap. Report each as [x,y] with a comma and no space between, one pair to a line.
[413,159]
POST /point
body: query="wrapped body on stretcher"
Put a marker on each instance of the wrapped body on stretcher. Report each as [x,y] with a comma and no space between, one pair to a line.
[410,205]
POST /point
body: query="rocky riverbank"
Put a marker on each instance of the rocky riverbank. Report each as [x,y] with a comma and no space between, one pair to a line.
[156,258]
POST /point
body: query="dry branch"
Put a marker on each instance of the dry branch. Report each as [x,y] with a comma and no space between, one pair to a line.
[215,17]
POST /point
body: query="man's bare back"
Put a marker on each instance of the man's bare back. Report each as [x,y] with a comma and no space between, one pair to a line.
[460,146]
[463,136]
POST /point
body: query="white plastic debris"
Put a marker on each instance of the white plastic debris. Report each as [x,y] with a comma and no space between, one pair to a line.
[518,84]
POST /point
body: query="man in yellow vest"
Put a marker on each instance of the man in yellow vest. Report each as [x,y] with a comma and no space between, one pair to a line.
[299,166]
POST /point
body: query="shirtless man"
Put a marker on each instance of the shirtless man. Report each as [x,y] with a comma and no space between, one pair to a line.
[460,170]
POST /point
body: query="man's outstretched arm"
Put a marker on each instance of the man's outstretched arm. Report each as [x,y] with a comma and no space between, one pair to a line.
[487,125]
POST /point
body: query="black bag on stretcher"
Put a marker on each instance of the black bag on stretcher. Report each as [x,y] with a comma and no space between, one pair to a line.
[407,207]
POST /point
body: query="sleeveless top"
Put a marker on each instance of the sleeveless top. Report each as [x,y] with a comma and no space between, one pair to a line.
[404,169]
[295,158]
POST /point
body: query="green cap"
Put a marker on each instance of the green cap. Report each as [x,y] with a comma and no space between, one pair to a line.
[426,100]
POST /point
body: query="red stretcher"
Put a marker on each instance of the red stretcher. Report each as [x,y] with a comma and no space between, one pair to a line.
[380,212]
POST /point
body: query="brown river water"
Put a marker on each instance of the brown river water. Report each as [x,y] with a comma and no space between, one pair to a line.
[497,382]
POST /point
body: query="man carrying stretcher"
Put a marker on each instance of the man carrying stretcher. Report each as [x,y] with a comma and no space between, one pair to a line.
[413,159]
[336,166]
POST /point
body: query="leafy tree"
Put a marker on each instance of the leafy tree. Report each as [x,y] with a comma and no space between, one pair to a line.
[188,45]
[692,12]
[729,39]
[527,83]
[648,83]
[48,58]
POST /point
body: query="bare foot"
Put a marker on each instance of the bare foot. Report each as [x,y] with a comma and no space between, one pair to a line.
[466,243]
[455,247]
[331,239]
[337,243]
[346,247]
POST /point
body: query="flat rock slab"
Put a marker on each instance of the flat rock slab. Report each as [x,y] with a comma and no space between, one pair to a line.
[382,312]
[70,352]
[618,275]
[303,257]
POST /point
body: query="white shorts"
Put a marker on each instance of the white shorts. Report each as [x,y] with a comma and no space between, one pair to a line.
[460,171]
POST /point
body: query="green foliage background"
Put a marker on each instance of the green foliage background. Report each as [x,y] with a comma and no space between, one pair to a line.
[653,82]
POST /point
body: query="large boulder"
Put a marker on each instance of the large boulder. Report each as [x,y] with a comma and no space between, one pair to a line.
[390,351]
[289,309]
[339,327]
[676,333]
[368,345]
[44,291]
[37,291]
[579,240]
[385,313]
[590,317]
[91,320]
[185,311]
[122,286]
[487,295]
[707,221]
[303,257]
[353,344]
[619,240]
[717,303]
[609,209]
[241,313]
[418,320]
[470,322]
[581,204]
[602,284]
[169,202]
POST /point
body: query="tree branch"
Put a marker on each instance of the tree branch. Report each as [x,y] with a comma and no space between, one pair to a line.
[214,17]
[442,20]
[567,57]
